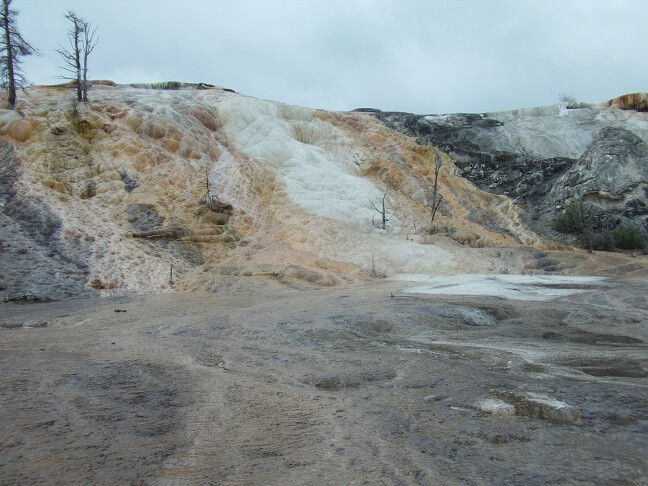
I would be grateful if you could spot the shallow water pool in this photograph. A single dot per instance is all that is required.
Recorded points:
(516, 287)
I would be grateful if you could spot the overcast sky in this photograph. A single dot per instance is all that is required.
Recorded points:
(422, 56)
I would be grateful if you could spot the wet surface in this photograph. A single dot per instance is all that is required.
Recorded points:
(335, 386)
(515, 287)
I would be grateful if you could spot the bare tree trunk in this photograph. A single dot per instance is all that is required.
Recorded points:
(86, 52)
(382, 212)
(435, 203)
(10, 61)
(77, 56)
(82, 42)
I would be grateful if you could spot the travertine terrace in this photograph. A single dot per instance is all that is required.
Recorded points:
(197, 290)
(110, 194)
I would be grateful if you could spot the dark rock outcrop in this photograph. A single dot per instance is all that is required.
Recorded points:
(144, 217)
(544, 157)
(478, 149)
(613, 167)
(9, 173)
(129, 183)
(37, 262)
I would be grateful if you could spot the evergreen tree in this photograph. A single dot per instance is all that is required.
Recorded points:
(12, 48)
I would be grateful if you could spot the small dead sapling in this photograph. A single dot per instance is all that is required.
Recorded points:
(436, 197)
(382, 210)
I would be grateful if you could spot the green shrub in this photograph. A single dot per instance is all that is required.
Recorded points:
(162, 85)
(628, 237)
(592, 240)
(166, 85)
(575, 218)
(592, 226)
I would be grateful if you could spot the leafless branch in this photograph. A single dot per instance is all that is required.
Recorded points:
(382, 212)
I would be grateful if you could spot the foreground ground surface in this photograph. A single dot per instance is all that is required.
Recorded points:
(355, 385)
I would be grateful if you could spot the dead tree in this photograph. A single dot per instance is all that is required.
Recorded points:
(82, 40)
(12, 48)
(436, 197)
(211, 200)
(382, 212)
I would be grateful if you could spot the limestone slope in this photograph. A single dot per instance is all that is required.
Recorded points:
(148, 190)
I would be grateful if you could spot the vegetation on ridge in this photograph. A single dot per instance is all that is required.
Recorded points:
(162, 85)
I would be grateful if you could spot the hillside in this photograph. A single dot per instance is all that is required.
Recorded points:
(547, 156)
(112, 196)
(235, 328)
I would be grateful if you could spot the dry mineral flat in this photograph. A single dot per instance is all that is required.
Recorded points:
(361, 384)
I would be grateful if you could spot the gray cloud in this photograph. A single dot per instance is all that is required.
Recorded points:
(420, 56)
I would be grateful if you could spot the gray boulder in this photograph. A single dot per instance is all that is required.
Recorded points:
(611, 175)
(536, 405)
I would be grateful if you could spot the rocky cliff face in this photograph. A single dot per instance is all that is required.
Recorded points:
(544, 157)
